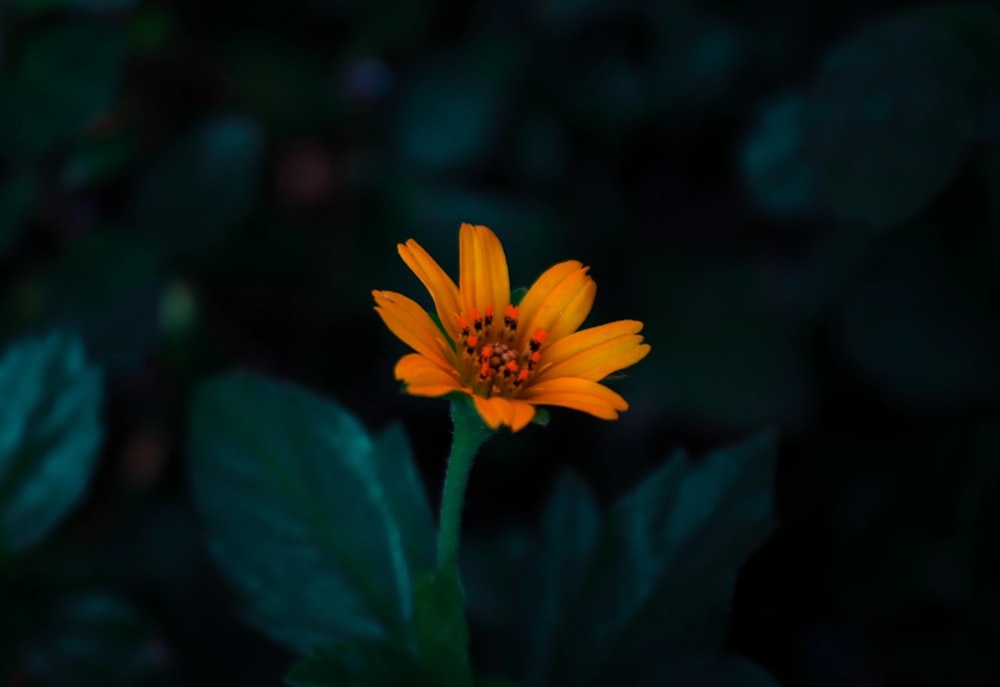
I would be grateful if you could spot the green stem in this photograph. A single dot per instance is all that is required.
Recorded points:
(470, 434)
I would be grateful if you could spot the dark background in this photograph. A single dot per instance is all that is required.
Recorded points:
(800, 200)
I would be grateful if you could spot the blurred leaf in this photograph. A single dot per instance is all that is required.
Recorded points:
(441, 632)
(94, 159)
(108, 287)
(569, 531)
(160, 543)
(203, 186)
(911, 323)
(606, 90)
(320, 528)
(29, 6)
(95, 639)
(776, 168)
(990, 170)
(498, 606)
(706, 669)
(18, 196)
(431, 207)
(149, 29)
(382, 28)
(543, 148)
(732, 349)
(886, 124)
(697, 58)
(666, 560)
(976, 26)
(358, 664)
(289, 89)
(570, 16)
(493, 681)
(448, 116)
(49, 435)
(891, 120)
(67, 76)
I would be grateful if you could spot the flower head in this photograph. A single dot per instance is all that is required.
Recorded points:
(508, 358)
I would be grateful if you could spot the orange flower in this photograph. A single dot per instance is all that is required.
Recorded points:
(508, 358)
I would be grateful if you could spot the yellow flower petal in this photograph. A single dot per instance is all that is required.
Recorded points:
(498, 410)
(482, 268)
(407, 320)
(594, 336)
(440, 286)
(595, 353)
(574, 312)
(521, 414)
(490, 410)
(578, 394)
(424, 377)
(558, 302)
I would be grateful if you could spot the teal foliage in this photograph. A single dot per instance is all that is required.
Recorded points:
(50, 432)
(17, 199)
(726, 322)
(448, 116)
(321, 528)
(642, 594)
(95, 638)
(665, 564)
(32, 6)
(887, 122)
(940, 356)
(710, 669)
(108, 288)
(64, 79)
(203, 186)
(800, 201)
(358, 664)
(568, 538)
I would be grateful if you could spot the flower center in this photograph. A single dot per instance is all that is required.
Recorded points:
(491, 363)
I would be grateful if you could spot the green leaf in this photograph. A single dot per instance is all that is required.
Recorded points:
(94, 639)
(358, 664)
(517, 295)
(320, 528)
(441, 632)
(203, 186)
(49, 435)
(67, 77)
(665, 563)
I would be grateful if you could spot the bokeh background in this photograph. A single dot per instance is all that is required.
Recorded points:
(801, 200)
